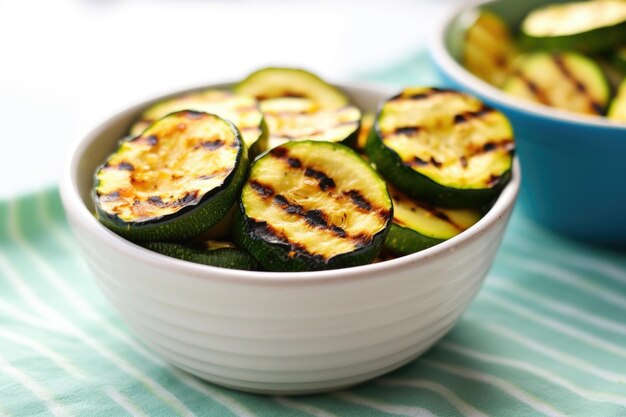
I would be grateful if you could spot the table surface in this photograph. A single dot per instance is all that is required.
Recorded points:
(71, 64)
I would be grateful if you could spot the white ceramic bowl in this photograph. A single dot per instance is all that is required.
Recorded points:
(271, 332)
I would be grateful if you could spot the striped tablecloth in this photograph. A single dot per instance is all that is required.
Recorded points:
(546, 335)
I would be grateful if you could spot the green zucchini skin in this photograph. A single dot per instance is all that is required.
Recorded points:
(196, 213)
(420, 186)
(417, 226)
(201, 253)
(273, 82)
(619, 59)
(591, 41)
(277, 247)
(404, 241)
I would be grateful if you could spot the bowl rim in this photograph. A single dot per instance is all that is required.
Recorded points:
(455, 70)
(78, 212)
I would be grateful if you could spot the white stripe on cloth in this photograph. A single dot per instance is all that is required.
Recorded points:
(557, 355)
(401, 410)
(38, 390)
(306, 408)
(230, 403)
(537, 371)
(124, 402)
(463, 407)
(40, 262)
(61, 361)
(565, 277)
(554, 324)
(580, 260)
(499, 383)
(559, 307)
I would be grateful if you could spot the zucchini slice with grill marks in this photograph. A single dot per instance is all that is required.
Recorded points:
(174, 181)
(617, 110)
(489, 51)
(269, 83)
(214, 253)
(443, 147)
(586, 26)
(567, 81)
(312, 206)
(243, 111)
(417, 225)
(294, 119)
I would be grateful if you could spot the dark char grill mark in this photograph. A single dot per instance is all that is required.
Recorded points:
(264, 191)
(314, 218)
(294, 162)
(125, 166)
(469, 115)
(156, 200)
(325, 182)
(580, 87)
(420, 96)
(408, 130)
(358, 199)
(213, 144)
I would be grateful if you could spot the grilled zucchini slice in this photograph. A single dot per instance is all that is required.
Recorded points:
(617, 111)
(174, 181)
(567, 81)
(214, 253)
(443, 147)
(291, 82)
(489, 51)
(586, 26)
(243, 111)
(294, 119)
(312, 206)
(417, 225)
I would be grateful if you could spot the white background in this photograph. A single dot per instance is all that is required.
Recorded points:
(65, 65)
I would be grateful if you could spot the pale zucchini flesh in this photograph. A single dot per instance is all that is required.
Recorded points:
(617, 110)
(313, 205)
(243, 111)
(295, 119)
(584, 26)
(151, 185)
(489, 50)
(567, 81)
(268, 83)
(574, 18)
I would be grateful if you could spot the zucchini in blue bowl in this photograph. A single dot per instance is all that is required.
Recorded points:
(311, 206)
(174, 181)
(444, 147)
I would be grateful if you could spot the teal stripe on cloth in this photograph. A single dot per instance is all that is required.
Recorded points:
(546, 335)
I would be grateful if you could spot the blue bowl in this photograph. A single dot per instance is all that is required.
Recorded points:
(574, 165)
